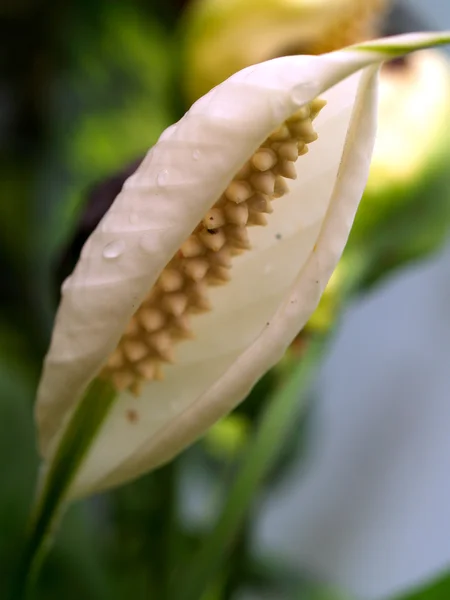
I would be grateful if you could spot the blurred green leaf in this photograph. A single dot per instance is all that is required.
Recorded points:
(411, 234)
(319, 591)
(436, 590)
(109, 103)
(70, 452)
(74, 570)
(17, 453)
(76, 567)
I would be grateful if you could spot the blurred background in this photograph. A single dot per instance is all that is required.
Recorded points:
(354, 502)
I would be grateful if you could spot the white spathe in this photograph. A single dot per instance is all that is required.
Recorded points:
(274, 288)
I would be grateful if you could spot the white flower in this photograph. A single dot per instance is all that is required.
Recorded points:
(215, 171)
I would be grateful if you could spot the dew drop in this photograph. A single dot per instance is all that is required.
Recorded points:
(162, 177)
(196, 154)
(113, 249)
(134, 218)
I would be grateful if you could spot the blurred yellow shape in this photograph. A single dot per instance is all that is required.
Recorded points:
(224, 36)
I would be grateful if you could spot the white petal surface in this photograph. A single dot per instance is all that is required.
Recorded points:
(178, 181)
(180, 178)
(274, 289)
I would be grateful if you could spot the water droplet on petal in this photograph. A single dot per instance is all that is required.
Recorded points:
(162, 177)
(113, 249)
(196, 154)
(134, 218)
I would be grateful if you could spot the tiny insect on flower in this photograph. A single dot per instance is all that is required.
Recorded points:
(213, 256)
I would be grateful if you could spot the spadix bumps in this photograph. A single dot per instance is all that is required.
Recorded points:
(205, 258)
(191, 268)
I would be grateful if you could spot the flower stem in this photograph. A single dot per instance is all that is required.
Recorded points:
(72, 449)
(277, 419)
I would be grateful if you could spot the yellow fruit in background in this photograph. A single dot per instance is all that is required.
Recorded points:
(224, 36)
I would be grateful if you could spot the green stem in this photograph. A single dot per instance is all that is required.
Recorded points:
(73, 447)
(277, 419)
(238, 566)
(162, 524)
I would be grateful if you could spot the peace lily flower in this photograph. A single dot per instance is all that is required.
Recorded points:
(208, 263)
(223, 36)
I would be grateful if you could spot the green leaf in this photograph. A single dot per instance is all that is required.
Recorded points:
(436, 590)
(73, 447)
(318, 591)
(17, 454)
(106, 109)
